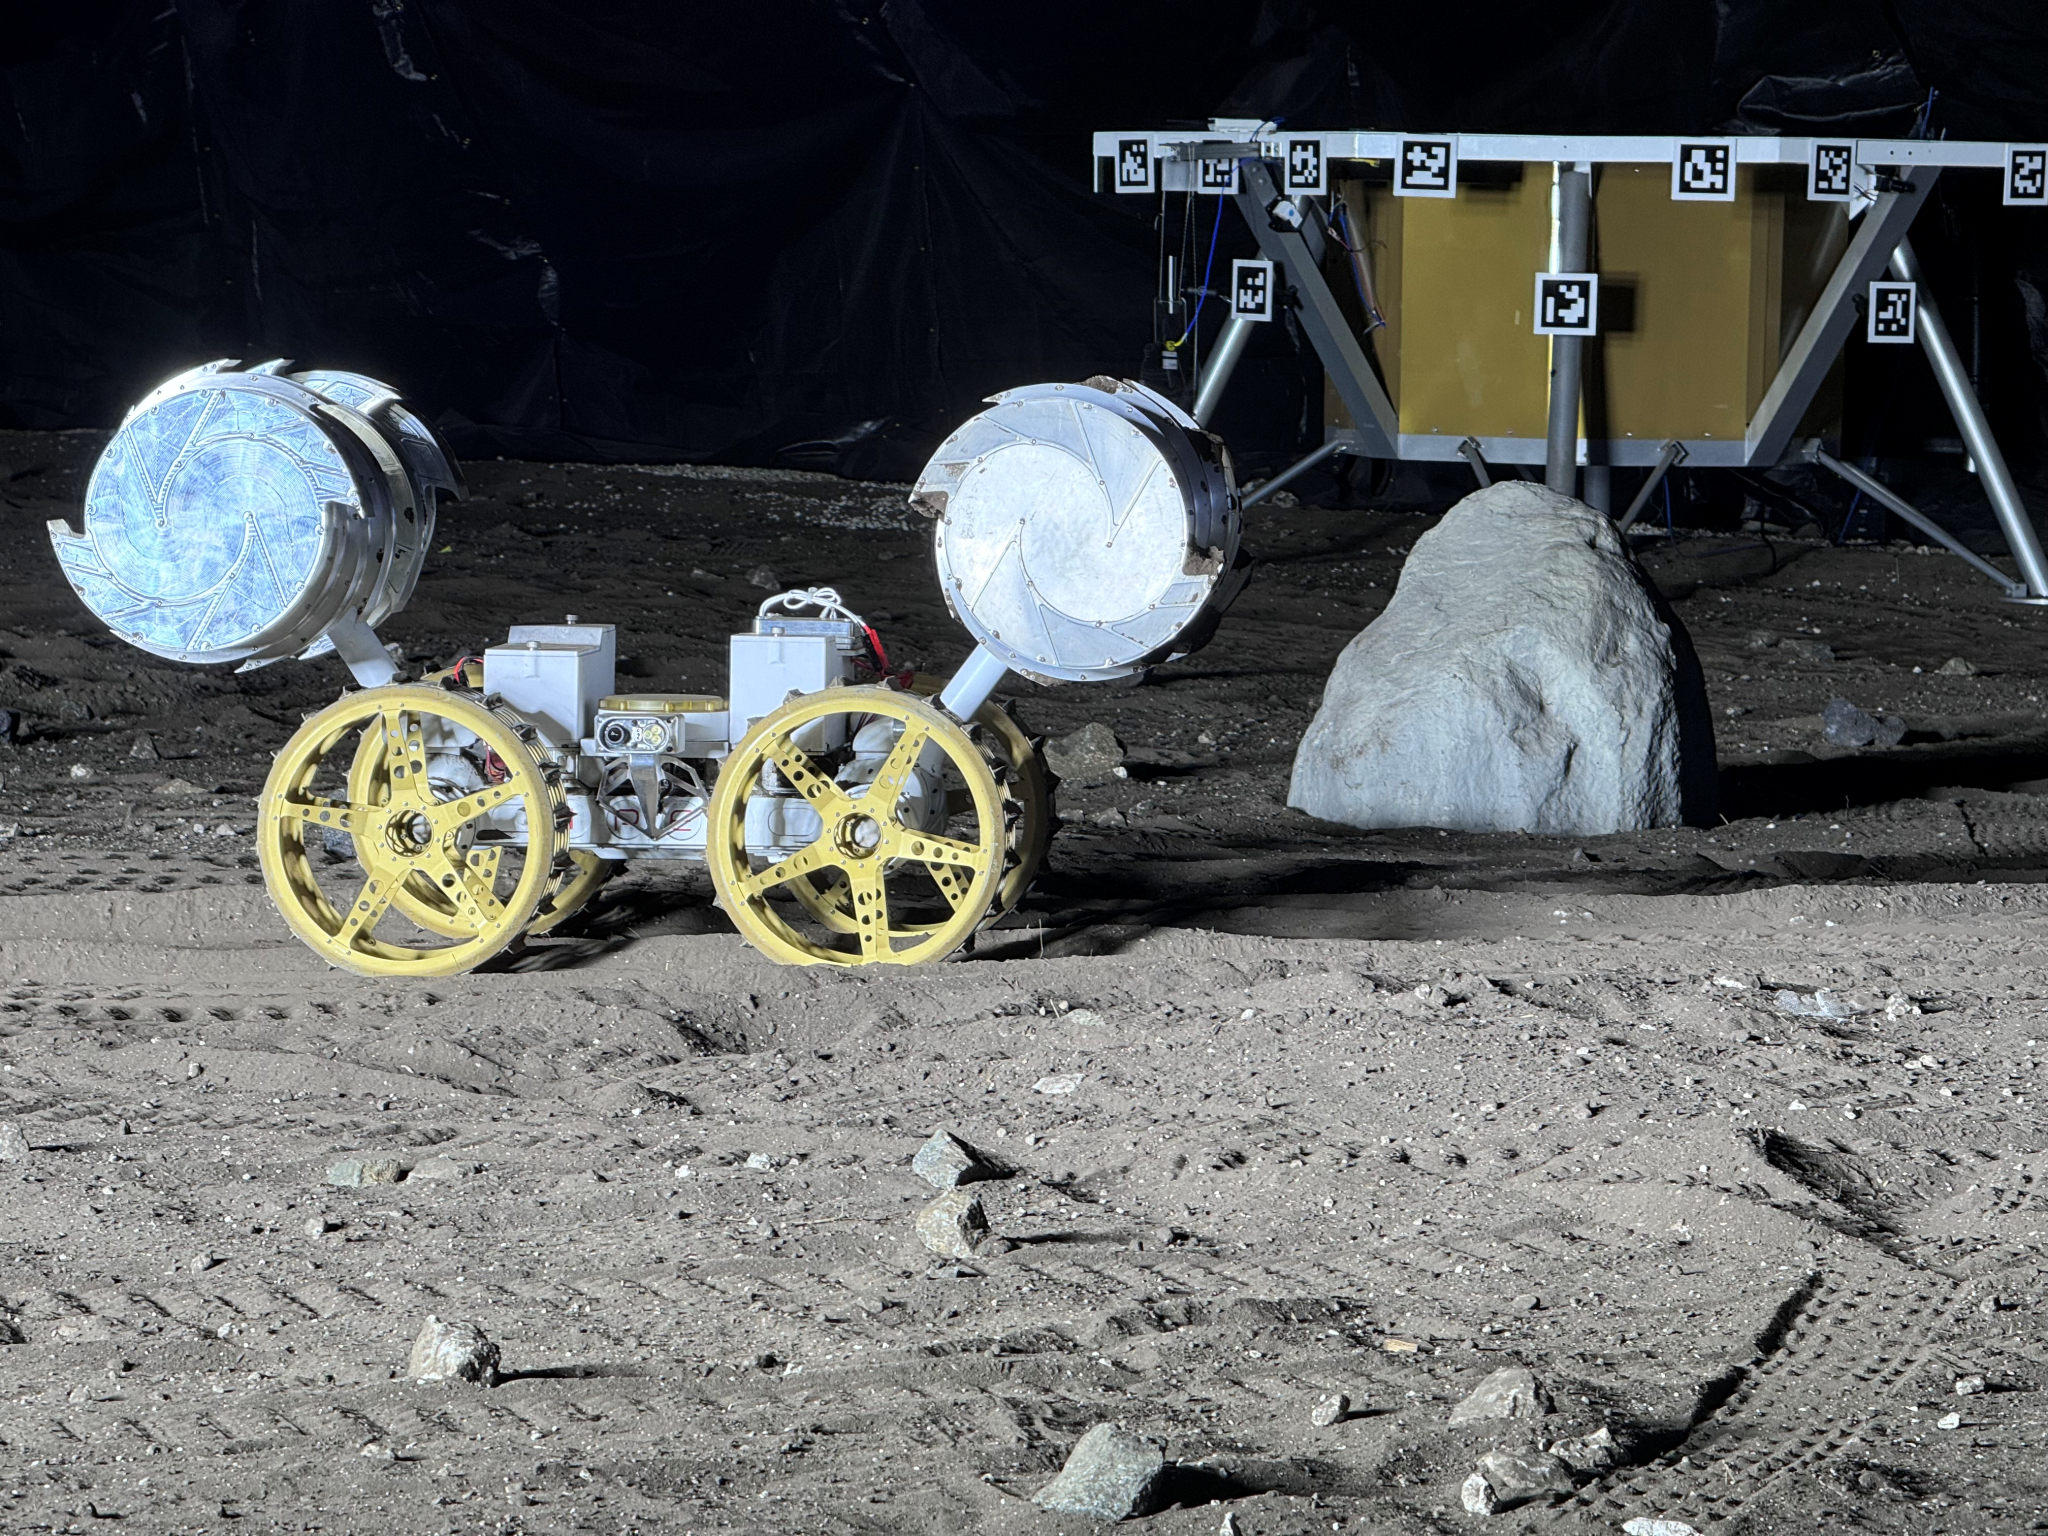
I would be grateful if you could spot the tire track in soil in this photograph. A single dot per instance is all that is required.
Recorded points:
(1849, 1341)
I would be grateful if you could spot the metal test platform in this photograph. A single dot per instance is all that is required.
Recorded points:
(1589, 301)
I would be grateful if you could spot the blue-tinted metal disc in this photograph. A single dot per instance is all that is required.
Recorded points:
(209, 521)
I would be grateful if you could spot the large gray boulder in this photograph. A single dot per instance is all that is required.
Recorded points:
(1525, 677)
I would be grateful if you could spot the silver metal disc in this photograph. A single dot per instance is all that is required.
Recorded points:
(1069, 523)
(211, 518)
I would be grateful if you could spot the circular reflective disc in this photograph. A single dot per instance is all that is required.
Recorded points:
(207, 520)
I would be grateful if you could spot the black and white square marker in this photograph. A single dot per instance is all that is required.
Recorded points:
(1426, 168)
(1251, 290)
(2026, 175)
(1303, 167)
(1217, 177)
(1703, 171)
(1828, 172)
(1567, 303)
(1137, 168)
(1894, 308)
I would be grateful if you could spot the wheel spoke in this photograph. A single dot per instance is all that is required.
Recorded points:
(886, 788)
(870, 908)
(321, 812)
(469, 889)
(369, 905)
(818, 855)
(826, 797)
(951, 886)
(933, 850)
(405, 772)
(449, 816)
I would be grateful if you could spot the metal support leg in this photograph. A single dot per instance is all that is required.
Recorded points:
(2011, 512)
(363, 653)
(1376, 427)
(1469, 449)
(1879, 492)
(1574, 245)
(1222, 363)
(973, 683)
(1674, 450)
(1599, 489)
(1292, 473)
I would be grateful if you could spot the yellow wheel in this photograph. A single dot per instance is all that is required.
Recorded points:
(570, 891)
(424, 902)
(461, 805)
(1020, 778)
(919, 845)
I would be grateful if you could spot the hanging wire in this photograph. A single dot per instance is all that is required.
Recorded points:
(1208, 267)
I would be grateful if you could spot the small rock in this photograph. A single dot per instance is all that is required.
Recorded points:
(1899, 1006)
(1399, 1346)
(1111, 1474)
(1650, 1525)
(356, 1172)
(1822, 1004)
(1970, 1386)
(376, 1452)
(1844, 725)
(1064, 1082)
(81, 770)
(439, 1167)
(145, 748)
(1989, 1306)
(1329, 1410)
(179, 787)
(193, 1069)
(1512, 1392)
(1528, 1301)
(760, 1162)
(1589, 1455)
(202, 1262)
(1956, 666)
(764, 577)
(1808, 650)
(319, 1226)
(10, 725)
(1506, 1479)
(1588, 1110)
(946, 1162)
(13, 1145)
(1091, 755)
(1109, 818)
(1949, 1421)
(453, 1352)
(1761, 639)
(953, 1224)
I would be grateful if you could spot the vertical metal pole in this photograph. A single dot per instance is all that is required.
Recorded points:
(1940, 348)
(1574, 247)
(1230, 344)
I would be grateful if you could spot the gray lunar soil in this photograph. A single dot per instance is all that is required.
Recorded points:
(1727, 1135)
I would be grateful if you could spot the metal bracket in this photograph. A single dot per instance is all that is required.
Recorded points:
(1329, 329)
(1813, 351)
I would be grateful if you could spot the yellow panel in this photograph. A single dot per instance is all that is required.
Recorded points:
(1698, 303)
(1471, 362)
(1701, 345)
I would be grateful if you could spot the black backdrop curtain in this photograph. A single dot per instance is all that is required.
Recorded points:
(808, 230)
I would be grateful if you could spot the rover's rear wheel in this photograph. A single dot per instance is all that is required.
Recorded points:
(486, 850)
(919, 848)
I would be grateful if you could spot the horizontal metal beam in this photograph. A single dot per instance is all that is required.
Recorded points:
(1600, 148)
